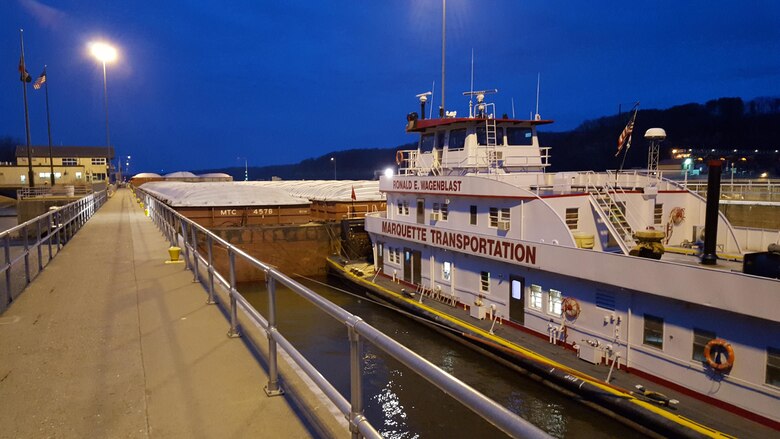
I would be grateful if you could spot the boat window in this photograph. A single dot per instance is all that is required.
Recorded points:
(457, 139)
(773, 366)
(498, 216)
(519, 136)
(572, 217)
(445, 210)
(484, 281)
(446, 270)
(535, 299)
(658, 214)
(426, 142)
(482, 136)
(653, 332)
(403, 207)
(605, 300)
(554, 302)
(439, 140)
(473, 216)
(700, 340)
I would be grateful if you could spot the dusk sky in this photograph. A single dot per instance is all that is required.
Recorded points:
(200, 83)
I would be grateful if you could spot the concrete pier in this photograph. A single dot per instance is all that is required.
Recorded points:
(109, 341)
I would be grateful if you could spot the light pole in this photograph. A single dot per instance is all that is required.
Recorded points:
(105, 53)
(333, 159)
(246, 167)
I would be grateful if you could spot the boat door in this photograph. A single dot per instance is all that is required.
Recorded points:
(407, 265)
(380, 255)
(412, 266)
(420, 210)
(517, 299)
(416, 267)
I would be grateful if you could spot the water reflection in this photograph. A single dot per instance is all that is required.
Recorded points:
(398, 402)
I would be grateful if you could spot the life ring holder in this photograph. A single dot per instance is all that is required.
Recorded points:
(571, 308)
(399, 158)
(709, 355)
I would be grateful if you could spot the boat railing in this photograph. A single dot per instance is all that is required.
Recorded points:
(200, 244)
(752, 239)
(23, 245)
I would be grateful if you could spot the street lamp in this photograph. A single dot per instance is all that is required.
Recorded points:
(246, 167)
(105, 53)
(333, 159)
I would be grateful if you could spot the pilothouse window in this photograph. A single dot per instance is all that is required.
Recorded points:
(426, 142)
(482, 136)
(519, 136)
(457, 139)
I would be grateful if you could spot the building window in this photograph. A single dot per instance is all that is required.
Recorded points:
(98, 160)
(446, 270)
(572, 218)
(658, 214)
(654, 331)
(700, 340)
(98, 176)
(484, 281)
(536, 297)
(78, 176)
(499, 217)
(773, 366)
(473, 216)
(70, 161)
(24, 178)
(554, 302)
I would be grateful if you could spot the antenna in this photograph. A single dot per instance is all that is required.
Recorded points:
(471, 114)
(442, 111)
(513, 108)
(538, 82)
(433, 88)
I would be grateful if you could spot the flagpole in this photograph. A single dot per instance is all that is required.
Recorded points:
(48, 125)
(24, 75)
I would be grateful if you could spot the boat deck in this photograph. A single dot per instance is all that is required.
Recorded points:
(109, 341)
(688, 407)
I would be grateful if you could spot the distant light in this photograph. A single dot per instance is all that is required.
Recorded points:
(103, 52)
(735, 150)
(743, 159)
(674, 151)
(332, 158)
(755, 151)
(389, 172)
(713, 150)
(763, 175)
(688, 162)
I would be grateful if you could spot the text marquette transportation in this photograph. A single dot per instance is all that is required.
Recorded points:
(598, 263)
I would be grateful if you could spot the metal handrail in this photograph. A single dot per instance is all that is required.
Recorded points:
(178, 228)
(53, 229)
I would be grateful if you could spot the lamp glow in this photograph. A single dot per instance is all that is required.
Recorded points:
(103, 52)
(389, 172)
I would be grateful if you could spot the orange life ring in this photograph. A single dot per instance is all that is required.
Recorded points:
(722, 346)
(571, 308)
(399, 157)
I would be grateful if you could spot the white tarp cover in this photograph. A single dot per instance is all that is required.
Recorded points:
(181, 174)
(221, 193)
(328, 190)
(147, 175)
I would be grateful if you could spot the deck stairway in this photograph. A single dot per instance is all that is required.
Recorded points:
(602, 197)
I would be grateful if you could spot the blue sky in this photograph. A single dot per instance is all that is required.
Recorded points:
(200, 83)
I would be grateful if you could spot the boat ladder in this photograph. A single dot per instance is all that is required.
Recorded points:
(615, 213)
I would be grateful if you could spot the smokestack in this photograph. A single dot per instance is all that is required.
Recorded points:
(422, 109)
(708, 256)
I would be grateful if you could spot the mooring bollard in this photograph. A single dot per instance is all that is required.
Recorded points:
(174, 252)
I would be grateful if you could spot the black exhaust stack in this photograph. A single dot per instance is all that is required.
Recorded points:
(709, 257)
(422, 109)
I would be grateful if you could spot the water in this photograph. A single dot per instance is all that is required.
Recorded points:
(399, 403)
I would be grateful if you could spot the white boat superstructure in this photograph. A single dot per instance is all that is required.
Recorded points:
(472, 214)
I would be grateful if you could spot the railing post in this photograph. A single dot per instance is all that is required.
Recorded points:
(8, 267)
(195, 273)
(26, 255)
(184, 235)
(272, 388)
(233, 331)
(58, 224)
(355, 376)
(38, 243)
(210, 245)
(49, 233)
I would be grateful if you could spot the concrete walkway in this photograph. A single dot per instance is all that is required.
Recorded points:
(109, 341)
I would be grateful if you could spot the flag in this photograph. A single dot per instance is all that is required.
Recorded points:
(41, 79)
(354, 197)
(625, 136)
(24, 76)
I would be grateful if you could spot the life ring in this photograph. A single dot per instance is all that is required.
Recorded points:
(676, 217)
(571, 308)
(719, 346)
(399, 157)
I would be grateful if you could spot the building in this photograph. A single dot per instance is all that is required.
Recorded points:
(73, 165)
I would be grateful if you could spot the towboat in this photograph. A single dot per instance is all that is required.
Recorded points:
(608, 284)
